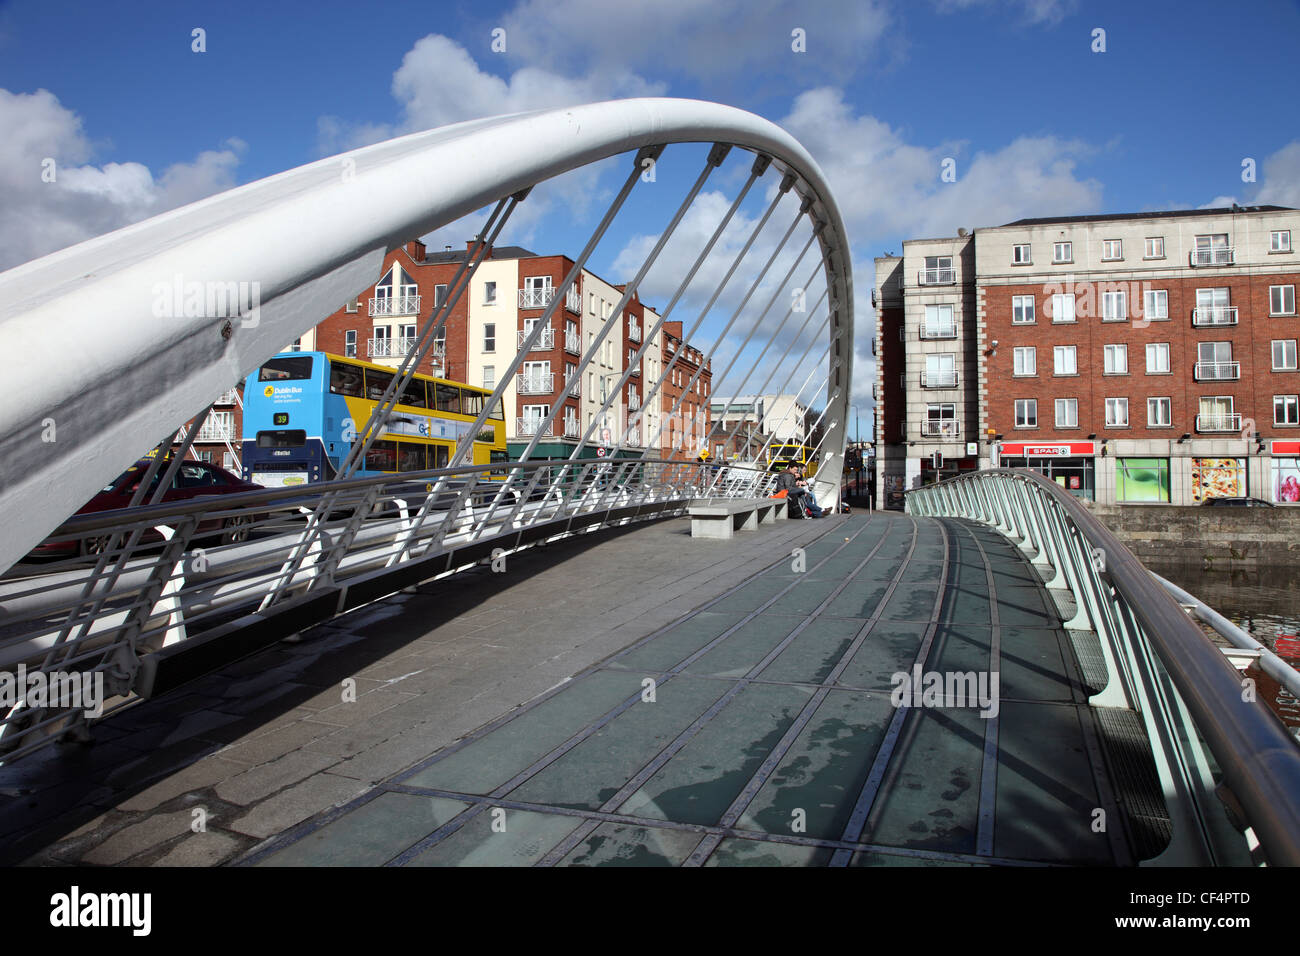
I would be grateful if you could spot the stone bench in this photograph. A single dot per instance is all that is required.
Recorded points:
(723, 517)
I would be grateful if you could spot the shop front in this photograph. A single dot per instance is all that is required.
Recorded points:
(1285, 479)
(1072, 465)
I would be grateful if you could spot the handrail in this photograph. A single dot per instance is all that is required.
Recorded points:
(1259, 758)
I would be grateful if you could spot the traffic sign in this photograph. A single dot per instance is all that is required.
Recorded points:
(600, 452)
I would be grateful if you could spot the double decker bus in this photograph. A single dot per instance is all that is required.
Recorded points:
(780, 457)
(304, 410)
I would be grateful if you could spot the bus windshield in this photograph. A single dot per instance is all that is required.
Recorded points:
(285, 369)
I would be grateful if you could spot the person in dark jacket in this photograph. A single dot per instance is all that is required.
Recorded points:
(797, 491)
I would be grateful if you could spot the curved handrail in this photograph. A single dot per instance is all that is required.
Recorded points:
(1259, 758)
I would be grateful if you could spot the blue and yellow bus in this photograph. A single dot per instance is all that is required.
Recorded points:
(304, 410)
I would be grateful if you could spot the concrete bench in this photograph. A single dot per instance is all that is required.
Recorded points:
(723, 517)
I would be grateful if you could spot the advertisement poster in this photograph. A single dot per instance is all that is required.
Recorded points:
(1218, 478)
(1142, 479)
(1286, 479)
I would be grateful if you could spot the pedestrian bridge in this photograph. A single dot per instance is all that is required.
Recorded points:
(991, 678)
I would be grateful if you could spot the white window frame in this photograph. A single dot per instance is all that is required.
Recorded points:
(350, 343)
(1022, 254)
(489, 376)
(1115, 367)
(1288, 363)
(489, 293)
(1154, 247)
(1065, 357)
(1290, 405)
(352, 305)
(1071, 407)
(1117, 413)
(1024, 304)
(1030, 412)
(1059, 305)
(1024, 361)
(1158, 349)
(1156, 404)
(1159, 298)
(1114, 306)
(489, 336)
(1062, 252)
(1281, 295)
(1112, 250)
(439, 295)
(1279, 240)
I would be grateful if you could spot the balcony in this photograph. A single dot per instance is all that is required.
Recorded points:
(545, 342)
(573, 342)
(391, 347)
(634, 332)
(570, 428)
(575, 389)
(395, 305)
(1219, 422)
(1211, 257)
(229, 397)
(221, 429)
(633, 402)
(540, 298)
(929, 333)
(1218, 371)
(535, 383)
(1215, 315)
(528, 427)
(938, 379)
(632, 438)
(937, 277)
(940, 429)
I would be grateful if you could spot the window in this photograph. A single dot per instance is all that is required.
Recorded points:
(938, 269)
(1155, 304)
(1214, 361)
(489, 293)
(1114, 306)
(1155, 247)
(350, 343)
(439, 296)
(1159, 412)
(1026, 360)
(1063, 252)
(1158, 358)
(1065, 360)
(938, 323)
(1279, 240)
(1142, 479)
(1020, 255)
(297, 345)
(940, 371)
(352, 305)
(1117, 413)
(1216, 414)
(489, 376)
(1063, 308)
(1116, 357)
(1281, 300)
(1286, 410)
(1026, 413)
(1022, 309)
(1112, 249)
(1212, 251)
(592, 303)
(1284, 355)
(489, 336)
(1067, 413)
(940, 421)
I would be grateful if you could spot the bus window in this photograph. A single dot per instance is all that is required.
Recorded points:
(410, 456)
(376, 382)
(382, 456)
(496, 412)
(285, 369)
(471, 403)
(346, 380)
(282, 439)
(440, 456)
(448, 397)
(498, 456)
(414, 395)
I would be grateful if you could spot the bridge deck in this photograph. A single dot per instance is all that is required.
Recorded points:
(767, 735)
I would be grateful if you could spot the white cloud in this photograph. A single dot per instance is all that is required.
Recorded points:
(1031, 12)
(82, 201)
(1280, 182)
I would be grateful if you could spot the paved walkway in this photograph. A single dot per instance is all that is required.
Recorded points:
(716, 715)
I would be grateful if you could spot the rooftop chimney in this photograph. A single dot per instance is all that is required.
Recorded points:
(415, 249)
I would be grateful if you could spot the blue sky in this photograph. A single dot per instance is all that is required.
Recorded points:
(1038, 123)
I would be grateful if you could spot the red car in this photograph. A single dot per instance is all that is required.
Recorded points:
(193, 479)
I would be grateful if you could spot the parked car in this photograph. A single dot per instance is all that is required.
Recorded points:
(1238, 502)
(193, 479)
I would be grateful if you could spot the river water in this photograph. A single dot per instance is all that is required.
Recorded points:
(1265, 604)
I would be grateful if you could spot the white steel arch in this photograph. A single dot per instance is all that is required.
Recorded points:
(129, 360)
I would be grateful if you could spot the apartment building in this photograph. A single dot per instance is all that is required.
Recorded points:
(749, 423)
(684, 397)
(1132, 358)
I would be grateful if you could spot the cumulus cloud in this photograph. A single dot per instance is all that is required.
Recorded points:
(1279, 182)
(55, 198)
(1032, 12)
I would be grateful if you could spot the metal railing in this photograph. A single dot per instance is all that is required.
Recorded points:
(158, 582)
(390, 347)
(1215, 315)
(937, 429)
(528, 427)
(535, 383)
(1212, 744)
(633, 332)
(536, 298)
(1217, 371)
(395, 305)
(573, 342)
(941, 379)
(545, 342)
(940, 331)
(936, 277)
(1221, 256)
(1222, 422)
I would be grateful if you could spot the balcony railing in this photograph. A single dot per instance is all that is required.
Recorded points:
(633, 402)
(528, 427)
(535, 383)
(937, 277)
(938, 331)
(573, 342)
(392, 347)
(575, 388)
(1219, 422)
(545, 342)
(1212, 257)
(931, 379)
(229, 397)
(1215, 315)
(395, 305)
(540, 298)
(219, 430)
(570, 428)
(634, 332)
(1218, 371)
(632, 438)
(940, 429)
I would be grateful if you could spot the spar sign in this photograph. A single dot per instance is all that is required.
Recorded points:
(1073, 449)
